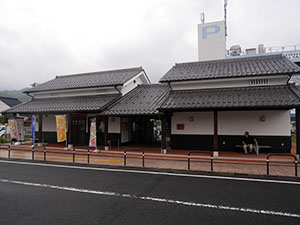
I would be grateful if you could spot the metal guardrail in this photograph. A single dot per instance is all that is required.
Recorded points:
(201, 152)
(8, 150)
(135, 149)
(282, 154)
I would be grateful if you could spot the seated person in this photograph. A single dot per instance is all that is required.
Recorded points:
(248, 142)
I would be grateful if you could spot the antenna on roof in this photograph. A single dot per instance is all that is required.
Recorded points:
(202, 17)
(225, 16)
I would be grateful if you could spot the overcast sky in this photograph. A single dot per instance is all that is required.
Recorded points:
(40, 39)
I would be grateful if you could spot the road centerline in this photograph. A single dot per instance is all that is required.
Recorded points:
(154, 199)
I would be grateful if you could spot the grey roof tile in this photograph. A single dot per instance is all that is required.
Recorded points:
(88, 80)
(10, 101)
(232, 67)
(70, 104)
(249, 97)
(143, 100)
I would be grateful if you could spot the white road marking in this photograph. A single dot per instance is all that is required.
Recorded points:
(147, 198)
(154, 173)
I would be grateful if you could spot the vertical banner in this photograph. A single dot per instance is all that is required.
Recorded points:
(13, 131)
(93, 133)
(61, 128)
(33, 128)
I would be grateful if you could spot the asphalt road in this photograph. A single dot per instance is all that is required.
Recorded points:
(37, 193)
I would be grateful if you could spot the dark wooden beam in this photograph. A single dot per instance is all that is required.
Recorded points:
(164, 133)
(215, 130)
(70, 128)
(137, 130)
(105, 131)
(40, 128)
(298, 131)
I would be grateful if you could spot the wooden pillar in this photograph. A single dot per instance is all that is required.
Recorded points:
(105, 138)
(40, 128)
(164, 133)
(137, 129)
(298, 131)
(215, 130)
(70, 141)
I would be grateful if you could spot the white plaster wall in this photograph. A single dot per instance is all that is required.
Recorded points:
(49, 123)
(135, 81)
(225, 83)
(76, 92)
(114, 126)
(3, 107)
(203, 123)
(237, 122)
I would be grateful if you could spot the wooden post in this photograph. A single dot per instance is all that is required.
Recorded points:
(298, 131)
(69, 128)
(164, 133)
(105, 131)
(137, 126)
(40, 128)
(215, 130)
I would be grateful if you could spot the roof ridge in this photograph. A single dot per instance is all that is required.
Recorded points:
(233, 59)
(99, 72)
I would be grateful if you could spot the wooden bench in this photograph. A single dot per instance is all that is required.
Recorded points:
(260, 147)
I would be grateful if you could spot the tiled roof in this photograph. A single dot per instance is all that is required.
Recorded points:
(70, 104)
(143, 100)
(88, 80)
(249, 97)
(10, 101)
(231, 68)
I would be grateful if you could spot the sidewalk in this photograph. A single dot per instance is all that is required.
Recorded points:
(226, 162)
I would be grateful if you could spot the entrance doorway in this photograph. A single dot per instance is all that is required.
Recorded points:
(141, 131)
(78, 131)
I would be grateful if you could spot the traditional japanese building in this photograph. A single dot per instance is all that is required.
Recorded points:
(212, 103)
(134, 119)
(80, 97)
(204, 105)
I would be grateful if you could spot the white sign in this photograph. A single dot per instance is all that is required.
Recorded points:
(211, 41)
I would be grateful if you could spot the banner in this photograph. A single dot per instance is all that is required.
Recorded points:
(33, 129)
(13, 131)
(61, 128)
(93, 133)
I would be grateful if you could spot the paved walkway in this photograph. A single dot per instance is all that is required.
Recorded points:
(226, 162)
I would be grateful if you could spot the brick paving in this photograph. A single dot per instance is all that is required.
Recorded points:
(226, 162)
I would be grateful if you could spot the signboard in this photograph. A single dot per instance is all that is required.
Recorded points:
(33, 128)
(20, 129)
(211, 41)
(61, 128)
(93, 133)
(180, 126)
(13, 131)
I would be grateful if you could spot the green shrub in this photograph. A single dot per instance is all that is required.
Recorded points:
(293, 138)
(3, 140)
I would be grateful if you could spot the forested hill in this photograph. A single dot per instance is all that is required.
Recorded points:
(15, 94)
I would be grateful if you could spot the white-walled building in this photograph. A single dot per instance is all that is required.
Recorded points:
(80, 97)
(212, 103)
